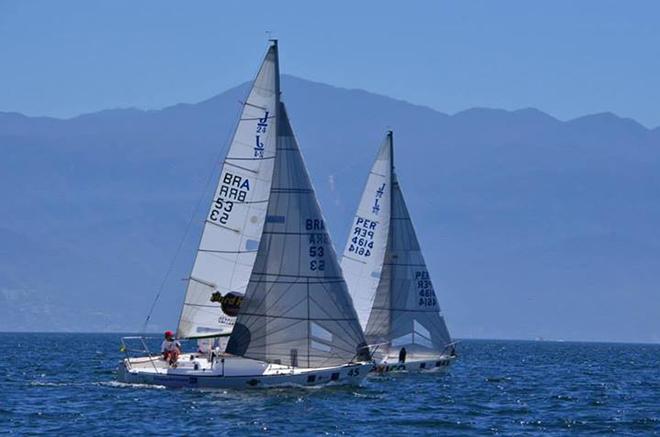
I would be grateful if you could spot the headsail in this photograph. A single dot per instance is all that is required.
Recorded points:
(297, 310)
(233, 226)
(363, 257)
(404, 311)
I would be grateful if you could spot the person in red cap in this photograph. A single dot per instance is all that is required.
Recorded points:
(170, 348)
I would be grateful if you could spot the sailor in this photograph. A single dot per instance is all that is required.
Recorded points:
(402, 355)
(170, 348)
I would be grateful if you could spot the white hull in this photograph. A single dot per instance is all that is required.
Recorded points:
(235, 372)
(428, 365)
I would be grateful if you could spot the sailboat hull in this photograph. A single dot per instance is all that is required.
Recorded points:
(235, 372)
(438, 364)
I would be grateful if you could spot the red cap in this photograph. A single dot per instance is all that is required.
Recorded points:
(169, 334)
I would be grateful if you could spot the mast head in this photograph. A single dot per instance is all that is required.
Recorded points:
(390, 137)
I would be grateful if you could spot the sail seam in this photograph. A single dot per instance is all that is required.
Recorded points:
(339, 278)
(275, 281)
(239, 167)
(355, 259)
(405, 310)
(226, 251)
(248, 159)
(298, 318)
(252, 104)
(291, 233)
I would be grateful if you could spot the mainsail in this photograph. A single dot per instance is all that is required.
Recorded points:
(404, 309)
(233, 226)
(296, 310)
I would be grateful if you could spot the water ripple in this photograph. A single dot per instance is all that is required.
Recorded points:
(61, 383)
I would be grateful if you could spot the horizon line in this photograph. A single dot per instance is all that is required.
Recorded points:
(360, 90)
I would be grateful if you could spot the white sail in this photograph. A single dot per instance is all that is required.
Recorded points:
(236, 217)
(363, 256)
(297, 310)
(404, 310)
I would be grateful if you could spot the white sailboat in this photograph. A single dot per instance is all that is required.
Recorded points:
(388, 278)
(266, 273)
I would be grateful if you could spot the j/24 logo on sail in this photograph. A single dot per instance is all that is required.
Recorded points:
(234, 188)
(379, 194)
(262, 125)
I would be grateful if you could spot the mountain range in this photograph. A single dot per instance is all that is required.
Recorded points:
(531, 226)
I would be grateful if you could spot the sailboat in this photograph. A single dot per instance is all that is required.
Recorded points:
(388, 278)
(266, 275)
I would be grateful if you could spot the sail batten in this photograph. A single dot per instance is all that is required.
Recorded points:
(235, 220)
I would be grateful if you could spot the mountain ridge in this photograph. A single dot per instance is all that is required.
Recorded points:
(244, 85)
(531, 226)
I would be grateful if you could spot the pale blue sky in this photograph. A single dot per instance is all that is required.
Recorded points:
(566, 57)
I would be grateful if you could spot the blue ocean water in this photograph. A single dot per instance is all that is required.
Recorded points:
(65, 383)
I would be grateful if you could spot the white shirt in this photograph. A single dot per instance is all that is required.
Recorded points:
(169, 345)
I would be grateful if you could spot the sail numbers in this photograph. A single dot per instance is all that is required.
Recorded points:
(362, 241)
(317, 243)
(233, 188)
(425, 289)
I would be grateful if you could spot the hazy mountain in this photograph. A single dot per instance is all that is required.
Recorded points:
(531, 226)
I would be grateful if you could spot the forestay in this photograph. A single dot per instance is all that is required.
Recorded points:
(233, 226)
(362, 261)
(297, 310)
(404, 311)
